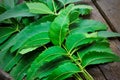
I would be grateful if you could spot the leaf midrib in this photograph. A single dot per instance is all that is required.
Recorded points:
(97, 59)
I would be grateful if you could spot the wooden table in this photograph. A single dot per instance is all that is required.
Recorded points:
(107, 11)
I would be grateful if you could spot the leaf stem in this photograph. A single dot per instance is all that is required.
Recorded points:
(85, 73)
(55, 11)
(77, 77)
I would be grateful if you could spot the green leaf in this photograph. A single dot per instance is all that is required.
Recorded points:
(64, 71)
(39, 8)
(64, 2)
(73, 41)
(12, 62)
(29, 32)
(5, 57)
(83, 9)
(20, 10)
(108, 34)
(84, 26)
(34, 42)
(100, 46)
(47, 69)
(9, 4)
(5, 32)
(25, 34)
(59, 27)
(79, 39)
(46, 56)
(20, 70)
(50, 4)
(98, 58)
(74, 16)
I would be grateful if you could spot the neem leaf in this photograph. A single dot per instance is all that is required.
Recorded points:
(83, 9)
(34, 42)
(108, 34)
(9, 4)
(20, 70)
(46, 56)
(64, 71)
(25, 34)
(84, 26)
(74, 16)
(59, 27)
(98, 58)
(50, 4)
(29, 32)
(47, 69)
(64, 2)
(73, 41)
(5, 57)
(100, 46)
(5, 32)
(39, 8)
(79, 39)
(20, 10)
(12, 62)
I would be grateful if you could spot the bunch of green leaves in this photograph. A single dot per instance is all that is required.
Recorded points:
(48, 40)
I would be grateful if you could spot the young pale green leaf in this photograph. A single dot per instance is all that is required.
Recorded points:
(20, 70)
(64, 71)
(101, 46)
(20, 10)
(108, 34)
(98, 58)
(34, 42)
(64, 2)
(73, 41)
(39, 8)
(5, 32)
(12, 62)
(46, 56)
(84, 26)
(59, 27)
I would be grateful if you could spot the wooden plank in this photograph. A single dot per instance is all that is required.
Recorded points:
(96, 73)
(110, 9)
(111, 70)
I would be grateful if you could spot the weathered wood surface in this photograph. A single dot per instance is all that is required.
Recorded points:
(110, 71)
(110, 9)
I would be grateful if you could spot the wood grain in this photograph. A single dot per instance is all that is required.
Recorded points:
(110, 9)
(111, 70)
(110, 13)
